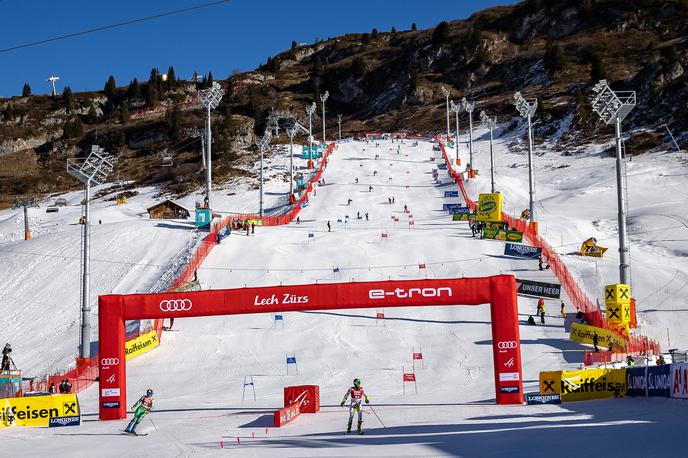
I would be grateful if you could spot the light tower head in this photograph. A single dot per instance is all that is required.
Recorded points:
(445, 91)
(610, 105)
(468, 106)
(455, 107)
(325, 96)
(264, 141)
(310, 109)
(489, 122)
(210, 98)
(524, 107)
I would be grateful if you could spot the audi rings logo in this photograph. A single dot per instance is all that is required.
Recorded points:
(109, 361)
(507, 345)
(176, 305)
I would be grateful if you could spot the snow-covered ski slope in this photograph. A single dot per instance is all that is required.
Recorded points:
(576, 199)
(198, 371)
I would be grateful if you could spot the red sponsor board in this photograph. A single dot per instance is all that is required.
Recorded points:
(380, 316)
(287, 414)
(409, 377)
(307, 396)
(417, 355)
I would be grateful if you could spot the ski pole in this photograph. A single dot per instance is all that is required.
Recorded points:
(151, 420)
(378, 417)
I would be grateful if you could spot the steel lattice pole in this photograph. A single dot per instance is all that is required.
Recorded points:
(531, 176)
(85, 350)
(492, 161)
(620, 192)
(209, 167)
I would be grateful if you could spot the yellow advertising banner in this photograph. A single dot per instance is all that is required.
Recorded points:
(584, 384)
(583, 333)
(256, 222)
(618, 293)
(141, 344)
(489, 207)
(51, 411)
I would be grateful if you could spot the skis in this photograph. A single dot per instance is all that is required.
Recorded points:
(134, 433)
(357, 432)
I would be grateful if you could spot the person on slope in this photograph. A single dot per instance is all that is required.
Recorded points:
(141, 408)
(357, 396)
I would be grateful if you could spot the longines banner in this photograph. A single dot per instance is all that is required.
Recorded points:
(522, 251)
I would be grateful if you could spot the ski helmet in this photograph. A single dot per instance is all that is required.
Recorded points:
(357, 382)
(149, 392)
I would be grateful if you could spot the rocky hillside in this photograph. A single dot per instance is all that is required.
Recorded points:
(550, 49)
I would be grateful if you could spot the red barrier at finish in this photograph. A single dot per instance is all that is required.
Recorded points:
(307, 396)
(287, 414)
(499, 291)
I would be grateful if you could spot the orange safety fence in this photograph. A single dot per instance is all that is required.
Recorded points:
(579, 299)
(83, 376)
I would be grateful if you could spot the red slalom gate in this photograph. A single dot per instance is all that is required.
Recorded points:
(498, 291)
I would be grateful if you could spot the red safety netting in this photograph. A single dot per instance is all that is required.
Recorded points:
(83, 376)
(578, 297)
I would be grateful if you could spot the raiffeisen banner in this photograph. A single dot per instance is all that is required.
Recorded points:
(51, 411)
(142, 344)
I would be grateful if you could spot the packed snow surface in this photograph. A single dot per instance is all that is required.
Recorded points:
(199, 370)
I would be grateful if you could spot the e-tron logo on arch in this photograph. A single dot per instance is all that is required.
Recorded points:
(109, 362)
(176, 305)
(402, 293)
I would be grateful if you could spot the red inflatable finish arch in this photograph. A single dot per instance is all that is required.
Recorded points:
(499, 291)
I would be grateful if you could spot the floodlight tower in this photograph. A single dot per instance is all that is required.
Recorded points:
(613, 107)
(52, 79)
(91, 171)
(210, 99)
(262, 144)
(339, 121)
(527, 109)
(310, 109)
(456, 108)
(446, 96)
(491, 123)
(323, 99)
(469, 107)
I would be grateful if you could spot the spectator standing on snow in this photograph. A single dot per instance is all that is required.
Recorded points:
(366, 216)
(51, 390)
(253, 228)
(595, 340)
(563, 310)
(540, 306)
(329, 227)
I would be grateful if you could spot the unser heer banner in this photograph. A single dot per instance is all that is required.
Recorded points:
(51, 411)
(584, 334)
(585, 384)
(679, 380)
(538, 288)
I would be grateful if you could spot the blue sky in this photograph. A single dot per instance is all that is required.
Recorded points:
(240, 34)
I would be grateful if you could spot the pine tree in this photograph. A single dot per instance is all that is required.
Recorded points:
(374, 34)
(9, 113)
(597, 69)
(414, 27)
(173, 122)
(124, 113)
(134, 89)
(554, 59)
(441, 33)
(293, 44)
(68, 98)
(394, 30)
(171, 78)
(358, 68)
(26, 91)
(110, 87)
(154, 79)
(210, 79)
(92, 115)
(152, 94)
